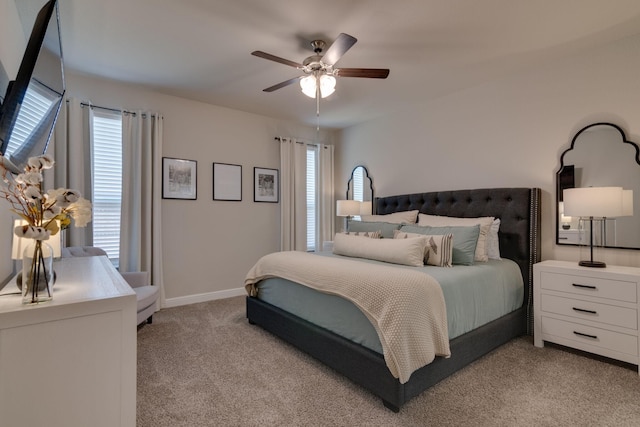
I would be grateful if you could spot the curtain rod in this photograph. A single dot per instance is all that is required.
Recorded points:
(115, 110)
(277, 138)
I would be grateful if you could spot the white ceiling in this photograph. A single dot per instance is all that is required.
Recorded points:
(201, 49)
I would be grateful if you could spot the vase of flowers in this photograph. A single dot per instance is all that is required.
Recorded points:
(37, 272)
(45, 213)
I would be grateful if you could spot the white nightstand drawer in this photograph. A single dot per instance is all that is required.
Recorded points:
(596, 337)
(595, 312)
(592, 286)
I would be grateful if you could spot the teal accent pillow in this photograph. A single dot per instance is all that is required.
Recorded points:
(465, 239)
(386, 228)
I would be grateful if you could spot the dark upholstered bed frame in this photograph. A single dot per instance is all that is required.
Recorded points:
(519, 213)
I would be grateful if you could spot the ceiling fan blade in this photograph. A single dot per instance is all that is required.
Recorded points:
(270, 57)
(339, 47)
(281, 85)
(372, 73)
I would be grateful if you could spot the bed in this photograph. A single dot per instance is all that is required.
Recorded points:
(519, 212)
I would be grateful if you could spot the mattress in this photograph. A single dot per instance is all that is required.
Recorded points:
(474, 295)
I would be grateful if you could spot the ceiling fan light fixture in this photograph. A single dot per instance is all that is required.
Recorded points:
(308, 86)
(327, 85)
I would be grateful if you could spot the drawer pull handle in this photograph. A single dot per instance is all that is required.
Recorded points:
(595, 337)
(584, 310)
(577, 285)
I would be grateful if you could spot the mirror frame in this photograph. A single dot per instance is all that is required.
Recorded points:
(366, 173)
(562, 165)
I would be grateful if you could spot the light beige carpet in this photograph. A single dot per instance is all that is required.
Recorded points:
(204, 365)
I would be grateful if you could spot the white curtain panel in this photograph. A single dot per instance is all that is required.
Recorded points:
(141, 219)
(293, 172)
(325, 227)
(72, 152)
(293, 183)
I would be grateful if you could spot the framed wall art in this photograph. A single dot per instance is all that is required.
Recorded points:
(179, 179)
(227, 182)
(265, 185)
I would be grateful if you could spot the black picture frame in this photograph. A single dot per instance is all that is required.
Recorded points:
(227, 182)
(179, 179)
(266, 185)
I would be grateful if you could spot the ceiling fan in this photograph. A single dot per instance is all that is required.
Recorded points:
(319, 70)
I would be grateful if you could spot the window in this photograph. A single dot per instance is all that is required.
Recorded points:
(312, 162)
(358, 184)
(107, 182)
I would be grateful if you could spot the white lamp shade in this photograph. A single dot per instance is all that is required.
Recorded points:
(327, 85)
(627, 202)
(308, 86)
(600, 202)
(19, 244)
(365, 208)
(347, 208)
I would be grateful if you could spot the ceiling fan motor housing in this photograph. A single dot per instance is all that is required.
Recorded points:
(322, 64)
(318, 46)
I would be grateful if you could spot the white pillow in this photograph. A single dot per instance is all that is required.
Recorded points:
(406, 217)
(439, 248)
(370, 234)
(484, 222)
(493, 244)
(396, 251)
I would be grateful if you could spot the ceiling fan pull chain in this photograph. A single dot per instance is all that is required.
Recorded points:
(318, 113)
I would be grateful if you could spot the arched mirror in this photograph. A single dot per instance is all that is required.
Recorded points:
(600, 156)
(360, 185)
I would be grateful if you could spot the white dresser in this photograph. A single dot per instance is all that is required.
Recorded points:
(591, 309)
(70, 361)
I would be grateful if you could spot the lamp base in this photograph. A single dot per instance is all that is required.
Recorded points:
(596, 264)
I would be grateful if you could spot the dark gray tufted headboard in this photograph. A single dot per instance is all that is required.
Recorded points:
(517, 208)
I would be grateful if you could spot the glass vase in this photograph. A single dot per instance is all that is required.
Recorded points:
(37, 272)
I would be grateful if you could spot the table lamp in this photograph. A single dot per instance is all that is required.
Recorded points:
(347, 208)
(366, 208)
(595, 203)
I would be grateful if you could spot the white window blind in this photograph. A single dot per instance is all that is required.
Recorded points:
(35, 104)
(312, 161)
(358, 184)
(107, 181)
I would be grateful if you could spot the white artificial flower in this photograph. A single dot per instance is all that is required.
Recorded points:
(29, 178)
(41, 162)
(68, 196)
(31, 232)
(32, 193)
(51, 212)
(54, 193)
(81, 212)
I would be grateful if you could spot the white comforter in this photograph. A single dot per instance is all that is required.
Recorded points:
(406, 307)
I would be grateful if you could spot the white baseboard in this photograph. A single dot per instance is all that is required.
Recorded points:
(209, 296)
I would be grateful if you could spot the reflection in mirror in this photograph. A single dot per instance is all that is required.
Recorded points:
(360, 185)
(33, 100)
(600, 156)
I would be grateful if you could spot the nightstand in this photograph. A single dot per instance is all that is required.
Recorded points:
(590, 309)
(570, 236)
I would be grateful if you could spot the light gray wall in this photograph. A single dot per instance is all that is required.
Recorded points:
(506, 133)
(208, 246)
